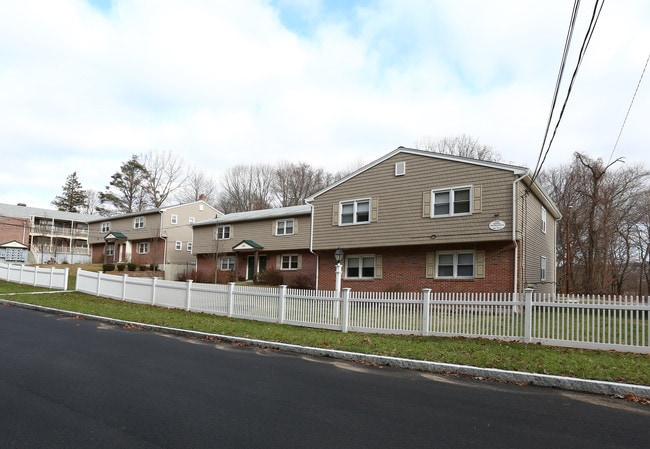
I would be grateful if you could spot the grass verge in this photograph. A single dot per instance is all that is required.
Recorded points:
(586, 364)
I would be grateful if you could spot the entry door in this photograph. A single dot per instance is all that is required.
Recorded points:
(250, 266)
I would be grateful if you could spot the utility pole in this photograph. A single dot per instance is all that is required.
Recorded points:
(568, 252)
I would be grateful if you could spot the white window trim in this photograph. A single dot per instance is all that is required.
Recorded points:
(106, 226)
(542, 268)
(178, 245)
(285, 221)
(138, 222)
(224, 227)
(189, 246)
(451, 191)
(291, 258)
(146, 246)
(110, 250)
(228, 261)
(191, 220)
(174, 219)
(455, 264)
(360, 257)
(354, 212)
(543, 220)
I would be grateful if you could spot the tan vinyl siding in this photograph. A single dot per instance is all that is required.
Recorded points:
(537, 244)
(404, 205)
(260, 231)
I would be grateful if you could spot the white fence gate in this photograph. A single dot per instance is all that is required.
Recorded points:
(610, 323)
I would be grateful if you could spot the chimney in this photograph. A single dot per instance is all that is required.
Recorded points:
(202, 197)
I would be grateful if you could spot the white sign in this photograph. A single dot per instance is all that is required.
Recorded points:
(497, 225)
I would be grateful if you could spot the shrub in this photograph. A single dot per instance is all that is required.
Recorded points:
(270, 276)
(121, 267)
(153, 267)
(143, 268)
(108, 267)
(131, 266)
(302, 281)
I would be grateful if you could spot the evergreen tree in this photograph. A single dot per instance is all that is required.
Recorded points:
(73, 198)
(127, 191)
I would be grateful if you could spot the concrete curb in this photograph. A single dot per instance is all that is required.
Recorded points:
(543, 380)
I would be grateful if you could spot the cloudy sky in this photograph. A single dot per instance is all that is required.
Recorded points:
(85, 84)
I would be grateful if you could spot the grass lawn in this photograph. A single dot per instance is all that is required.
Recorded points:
(587, 364)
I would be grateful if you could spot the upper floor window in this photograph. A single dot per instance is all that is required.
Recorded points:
(143, 247)
(106, 226)
(138, 223)
(178, 245)
(355, 212)
(449, 202)
(189, 246)
(174, 219)
(191, 220)
(543, 219)
(457, 264)
(284, 227)
(542, 268)
(360, 267)
(223, 232)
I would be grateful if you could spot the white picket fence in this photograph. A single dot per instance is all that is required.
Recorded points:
(54, 278)
(609, 323)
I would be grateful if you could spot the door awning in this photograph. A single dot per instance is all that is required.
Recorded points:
(247, 245)
(112, 236)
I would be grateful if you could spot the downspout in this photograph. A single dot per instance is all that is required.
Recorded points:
(514, 230)
(311, 244)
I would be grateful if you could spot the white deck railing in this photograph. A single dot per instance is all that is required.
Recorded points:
(619, 323)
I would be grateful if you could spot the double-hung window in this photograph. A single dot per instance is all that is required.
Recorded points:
(543, 219)
(289, 262)
(227, 263)
(178, 245)
(355, 212)
(138, 223)
(174, 219)
(542, 268)
(143, 247)
(110, 249)
(223, 232)
(284, 227)
(450, 202)
(360, 267)
(457, 264)
(106, 226)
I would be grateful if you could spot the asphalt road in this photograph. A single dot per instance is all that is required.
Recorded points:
(74, 383)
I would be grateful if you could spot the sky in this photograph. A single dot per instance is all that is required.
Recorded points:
(86, 84)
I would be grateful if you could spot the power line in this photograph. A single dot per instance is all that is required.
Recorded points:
(628, 109)
(585, 43)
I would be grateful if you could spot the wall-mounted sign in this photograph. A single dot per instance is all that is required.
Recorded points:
(497, 225)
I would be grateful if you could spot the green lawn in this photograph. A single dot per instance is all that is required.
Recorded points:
(597, 365)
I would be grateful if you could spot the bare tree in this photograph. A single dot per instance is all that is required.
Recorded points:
(599, 203)
(197, 184)
(246, 188)
(91, 203)
(462, 145)
(165, 175)
(296, 181)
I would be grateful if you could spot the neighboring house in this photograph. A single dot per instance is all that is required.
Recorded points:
(241, 245)
(50, 235)
(161, 237)
(416, 219)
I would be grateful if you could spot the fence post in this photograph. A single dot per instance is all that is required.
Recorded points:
(124, 276)
(345, 306)
(99, 281)
(154, 280)
(282, 305)
(426, 309)
(231, 298)
(528, 315)
(188, 295)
